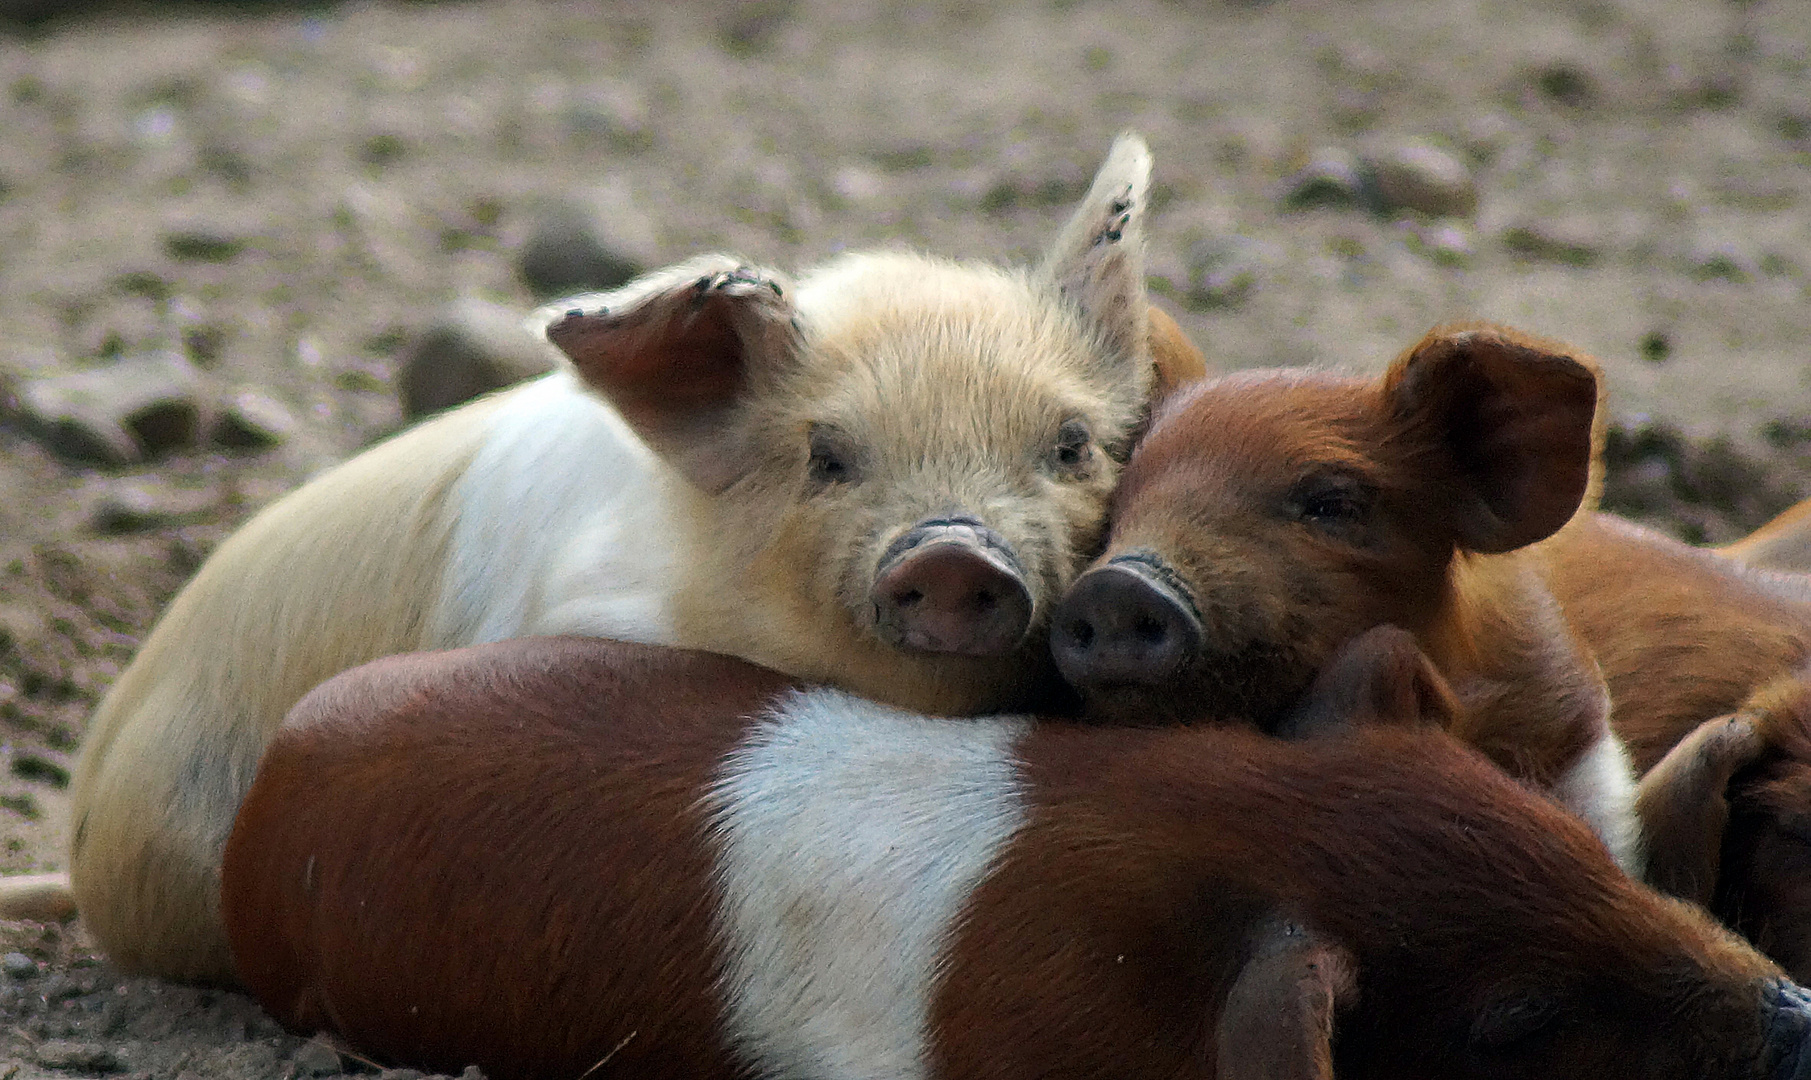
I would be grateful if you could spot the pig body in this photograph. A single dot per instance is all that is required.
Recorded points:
(881, 476)
(1269, 516)
(569, 851)
(1709, 664)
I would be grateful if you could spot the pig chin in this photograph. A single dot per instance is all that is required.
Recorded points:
(1253, 684)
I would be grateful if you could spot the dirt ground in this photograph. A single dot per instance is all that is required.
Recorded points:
(291, 193)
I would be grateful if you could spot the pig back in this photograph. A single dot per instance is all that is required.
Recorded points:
(395, 767)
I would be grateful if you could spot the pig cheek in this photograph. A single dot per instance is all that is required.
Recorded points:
(824, 543)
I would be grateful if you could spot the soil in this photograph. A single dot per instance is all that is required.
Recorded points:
(289, 193)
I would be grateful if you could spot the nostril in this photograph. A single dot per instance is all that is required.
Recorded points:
(1150, 630)
(908, 598)
(1080, 632)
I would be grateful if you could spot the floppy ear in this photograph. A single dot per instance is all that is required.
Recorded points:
(1683, 805)
(1379, 677)
(675, 352)
(1509, 418)
(1277, 1023)
(1097, 262)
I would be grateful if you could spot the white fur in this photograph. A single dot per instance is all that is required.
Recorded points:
(1600, 788)
(851, 836)
(561, 526)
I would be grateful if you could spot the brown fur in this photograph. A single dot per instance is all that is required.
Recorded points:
(1686, 637)
(1217, 492)
(528, 886)
(1782, 544)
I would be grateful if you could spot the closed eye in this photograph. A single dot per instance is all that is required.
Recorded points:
(1333, 502)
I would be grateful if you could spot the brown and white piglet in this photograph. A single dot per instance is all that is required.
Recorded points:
(1270, 515)
(546, 854)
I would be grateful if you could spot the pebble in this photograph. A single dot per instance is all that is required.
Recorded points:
(1333, 177)
(146, 504)
(250, 420)
(1446, 243)
(1721, 262)
(593, 245)
(1422, 178)
(315, 1059)
(136, 407)
(473, 347)
(1222, 271)
(77, 1056)
(17, 965)
(1568, 241)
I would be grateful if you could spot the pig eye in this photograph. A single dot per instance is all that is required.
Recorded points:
(1337, 504)
(1074, 449)
(832, 459)
(1510, 1023)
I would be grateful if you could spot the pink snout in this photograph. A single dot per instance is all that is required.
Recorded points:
(951, 585)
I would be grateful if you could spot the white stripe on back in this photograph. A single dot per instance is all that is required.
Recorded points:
(851, 835)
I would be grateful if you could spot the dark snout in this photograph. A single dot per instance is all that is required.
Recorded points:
(1125, 623)
(1787, 1055)
(951, 585)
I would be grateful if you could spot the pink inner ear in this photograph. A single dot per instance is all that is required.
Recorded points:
(658, 371)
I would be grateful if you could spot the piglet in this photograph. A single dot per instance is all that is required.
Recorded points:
(554, 857)
(1270, 515)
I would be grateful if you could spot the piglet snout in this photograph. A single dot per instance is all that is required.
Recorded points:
(1124, 623)
(951, 585)
(1788, 1048)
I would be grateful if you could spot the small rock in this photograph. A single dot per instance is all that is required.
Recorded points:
(250, 420)
(474, 347)
(77, 1056)
(17, 965)
(472, 1072)
(145, 505)
(138, 406)
(316, 1059)
(580, 247)
(1572, 242)
(1222, 271)
(1566, 82)
(1424, 179)
(1332, 177)
(1721, 262)
(201, 243)
(401, 1074)
(1446, 243)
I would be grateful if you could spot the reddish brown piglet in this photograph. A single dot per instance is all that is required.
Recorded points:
(1269, 516)
(542, 854)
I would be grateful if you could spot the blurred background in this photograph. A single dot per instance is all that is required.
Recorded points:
(240, 241)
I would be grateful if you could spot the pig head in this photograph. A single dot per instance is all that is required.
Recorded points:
(887, 473)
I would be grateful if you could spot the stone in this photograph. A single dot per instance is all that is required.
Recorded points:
(146, 504)
(1721, 261)
(250, 420)
(1568, 241)
(17, 965)
(1446, 243)
(136, 407)
(315, 1059)
(1333, 177)
(1422, 178)
(1222, 271)
(595, 241)
(77, 1057)
(473, 347)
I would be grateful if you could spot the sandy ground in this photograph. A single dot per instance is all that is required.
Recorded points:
(1640, 169)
